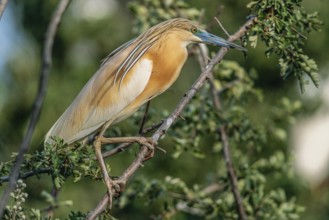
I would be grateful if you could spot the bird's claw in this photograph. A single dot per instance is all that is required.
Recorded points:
(114, 188)
(150, 144)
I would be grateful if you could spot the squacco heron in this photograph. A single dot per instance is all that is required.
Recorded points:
(131, 75)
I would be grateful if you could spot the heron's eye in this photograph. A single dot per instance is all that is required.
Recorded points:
(194, 29)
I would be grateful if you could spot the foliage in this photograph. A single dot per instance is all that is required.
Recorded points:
(60, 161)
(282, 26)
(257, 140)
(151, 12)
(16, 211)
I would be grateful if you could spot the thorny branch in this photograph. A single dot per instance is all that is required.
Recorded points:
(36, 109)
(206, 74)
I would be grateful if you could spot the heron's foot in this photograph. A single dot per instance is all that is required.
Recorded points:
(114, 189)
(150, 144)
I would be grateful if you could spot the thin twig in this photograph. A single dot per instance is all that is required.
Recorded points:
(152, 127)
(208, 190)
(231, 174)
(214, 94)
(144, 119)
(51, 209)
(202, 56)
(167, 123)
(222, 27)
(3, 4)
(28, 174)
(212, 188)
(226, 149)
(228, 86)
(36, 109)
(300, 34)
(186, 199)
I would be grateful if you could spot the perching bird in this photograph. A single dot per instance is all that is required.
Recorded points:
(131, 75)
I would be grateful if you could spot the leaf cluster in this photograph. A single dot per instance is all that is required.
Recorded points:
(151, 12)
(282, 26)
(58, 160)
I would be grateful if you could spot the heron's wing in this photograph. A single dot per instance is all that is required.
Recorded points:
(101, 100)
(117, 51)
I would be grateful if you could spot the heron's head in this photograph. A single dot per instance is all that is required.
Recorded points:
(189, 32)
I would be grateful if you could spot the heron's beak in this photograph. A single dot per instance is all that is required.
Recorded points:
(213, 39)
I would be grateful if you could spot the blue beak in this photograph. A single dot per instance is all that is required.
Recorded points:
(213, 39)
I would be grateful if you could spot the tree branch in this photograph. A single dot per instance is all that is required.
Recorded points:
(231, 174)
(28, 174)
(226, 148)
(224, 137)
(36, 109)
(3, 4)
(167, 123)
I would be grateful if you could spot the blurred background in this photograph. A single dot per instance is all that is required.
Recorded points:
(90, 30)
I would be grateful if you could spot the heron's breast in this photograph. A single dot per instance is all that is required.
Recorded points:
(167, 65)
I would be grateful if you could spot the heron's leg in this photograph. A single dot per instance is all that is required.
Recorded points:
(113, 186)
(116, 186)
